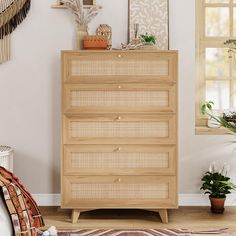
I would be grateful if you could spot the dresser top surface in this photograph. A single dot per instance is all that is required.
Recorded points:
(119, 51)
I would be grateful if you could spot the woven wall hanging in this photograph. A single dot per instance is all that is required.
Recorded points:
(12, 13)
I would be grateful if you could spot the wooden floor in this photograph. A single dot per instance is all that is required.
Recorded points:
(195, 218)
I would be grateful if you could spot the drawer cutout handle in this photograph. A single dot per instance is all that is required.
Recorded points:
(118, 118)
(117, 149)
(118, 180)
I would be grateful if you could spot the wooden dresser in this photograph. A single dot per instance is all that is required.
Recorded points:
(119, 130)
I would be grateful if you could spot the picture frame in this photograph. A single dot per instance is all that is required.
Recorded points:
(152, 17)
(87, 4)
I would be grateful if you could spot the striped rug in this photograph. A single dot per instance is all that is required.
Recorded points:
(149, 232)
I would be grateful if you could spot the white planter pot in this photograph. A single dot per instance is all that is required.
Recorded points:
(213, 124)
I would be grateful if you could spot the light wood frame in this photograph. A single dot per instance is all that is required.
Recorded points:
(148, 203)
(144, 88)
(170, 120)
(164, 55)
(170, 150)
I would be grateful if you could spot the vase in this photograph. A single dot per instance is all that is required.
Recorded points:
(217, 205)
(81, 33)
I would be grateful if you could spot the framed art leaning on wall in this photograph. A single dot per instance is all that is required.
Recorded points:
(152, 17)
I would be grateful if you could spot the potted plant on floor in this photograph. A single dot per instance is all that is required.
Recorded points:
(218, 186)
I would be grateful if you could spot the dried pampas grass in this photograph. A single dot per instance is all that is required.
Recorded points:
(82, 17)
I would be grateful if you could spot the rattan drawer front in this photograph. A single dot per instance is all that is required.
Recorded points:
(119, 160)
(111, 67)
(119, 130)
(96, 132)
(122, 98)
(125, 191)
(117, 66)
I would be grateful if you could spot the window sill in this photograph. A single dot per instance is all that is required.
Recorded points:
(204, 130)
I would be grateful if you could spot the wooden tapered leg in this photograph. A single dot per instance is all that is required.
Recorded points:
(164, 215)
(75, 216)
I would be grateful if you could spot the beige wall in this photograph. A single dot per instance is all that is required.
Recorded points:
(30, 93)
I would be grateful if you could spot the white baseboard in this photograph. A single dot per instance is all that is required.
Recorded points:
(184, 200)
(202, 200)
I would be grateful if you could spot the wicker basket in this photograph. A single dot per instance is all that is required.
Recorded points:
(6, 157)
(94, 42)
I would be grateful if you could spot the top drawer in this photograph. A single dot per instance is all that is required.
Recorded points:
(119, 66)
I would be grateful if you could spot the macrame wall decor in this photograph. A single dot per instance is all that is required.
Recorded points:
(12, 13)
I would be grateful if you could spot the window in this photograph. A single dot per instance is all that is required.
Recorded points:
(216, 68)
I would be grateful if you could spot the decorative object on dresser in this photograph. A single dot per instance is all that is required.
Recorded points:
(105, 30)
(151, 16)
(95, 42)
(144, 42)
(82, 18)
(148, 41)
(12, 13)
(119, 130)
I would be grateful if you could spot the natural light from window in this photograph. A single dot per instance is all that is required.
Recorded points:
(217, 23)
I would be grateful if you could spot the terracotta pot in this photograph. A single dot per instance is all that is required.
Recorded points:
(95, 42)
(217, 205)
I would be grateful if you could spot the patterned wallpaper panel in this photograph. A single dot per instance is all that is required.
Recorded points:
(152, 17)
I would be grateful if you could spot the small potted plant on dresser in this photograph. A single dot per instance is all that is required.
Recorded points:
(148, 41)
(218, 186)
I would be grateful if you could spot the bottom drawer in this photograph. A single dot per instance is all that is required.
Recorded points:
(119, 192)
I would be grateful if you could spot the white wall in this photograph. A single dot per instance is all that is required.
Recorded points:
(30, 93)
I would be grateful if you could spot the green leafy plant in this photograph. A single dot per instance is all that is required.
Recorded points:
(217, 184)
(207, 106)
(226, 121)
(231, 44)
(148, 39)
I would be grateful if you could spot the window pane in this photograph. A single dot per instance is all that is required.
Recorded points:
(234, 26)
(217, 21)
(219, 93)
(234, 95)
(217, 62)
(218, 1)
(234, 64)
